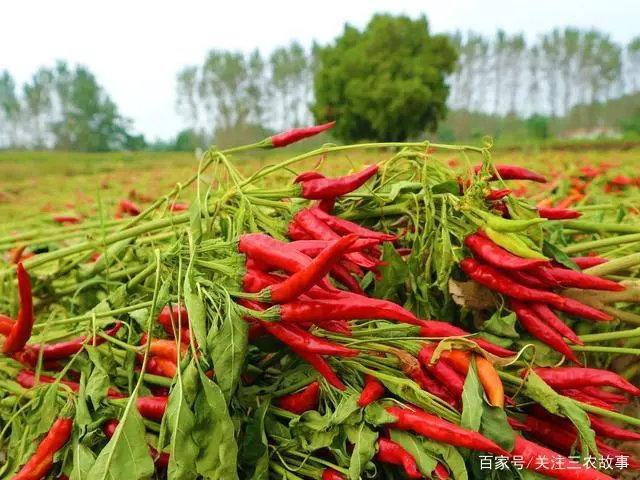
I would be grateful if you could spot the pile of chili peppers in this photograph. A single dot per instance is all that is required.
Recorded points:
(405, 320)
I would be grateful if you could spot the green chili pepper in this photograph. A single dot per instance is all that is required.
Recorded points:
(506, 225)
(512, 243)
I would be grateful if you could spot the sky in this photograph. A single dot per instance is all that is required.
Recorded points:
(136, 47)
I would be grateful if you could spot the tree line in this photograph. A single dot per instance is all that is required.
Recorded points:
(566, 75)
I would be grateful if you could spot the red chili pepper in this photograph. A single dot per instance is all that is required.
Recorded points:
(42, 460)
(346, 227)
(337, 326)
(329, 474)
(410, 366)
(66, 219)
(322, 367)
(392, 453)
(297, 233)
(21, 331)
(527, 279)
(545, 276)
(163, 348)
(513, 172)
(127, 206)
(568, 377)
(605, 396)
(551, 319)
(340, 273)
(319, 230)
(498, 281)
(441, 430)
(372, 391)
(57, 351)
(303, 280)
(152, 408)
(534, 457)
(489, 252)
(588, 262)
(326, 204)
(571, 278)
(303, 401)
(497, 194)
(299, 339)
(177, 312)
(323, 188)
(6, 325)
(581, 396)
(304, 176)
(296, 134)
(314, 247)
(162, 367)
(179, 207)
(443, 371)
(558, 213)
(354, 307)
(440, 472)
(27, 379)
(162, 460)
(540, 330)
(607, 430)
(276, 254)
(436, 329)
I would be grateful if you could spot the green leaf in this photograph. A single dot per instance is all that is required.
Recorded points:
(345, 409)
(502, 326)
(376, 414)
(394, 274)
(495, 426)
(83, 416)
(214, 433)
(83, 460)
(126, 455)
(364, 441)
(450, 186)
(414, 445)
(195, 309)
(47, 411)
(450, 456)
(180, 419)
(230, 350)
(99, 381)
(472, 403)
(255, 452)
(550, 250)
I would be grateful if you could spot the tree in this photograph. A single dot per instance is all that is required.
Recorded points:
(10, 109)
(538, 127)
(385, 83)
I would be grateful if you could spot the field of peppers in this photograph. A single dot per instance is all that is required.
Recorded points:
(369, 311)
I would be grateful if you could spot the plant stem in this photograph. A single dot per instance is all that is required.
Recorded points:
(597, 227)
(618, 350)
(603, 242)
(616, 265)
(603, 337)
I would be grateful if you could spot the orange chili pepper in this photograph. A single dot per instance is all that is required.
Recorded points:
(461, 359)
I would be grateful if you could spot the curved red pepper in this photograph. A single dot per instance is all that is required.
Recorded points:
(392, 453)
(588, 262)
(296, 134)
(329, 474)
(323, 188)
(571, 278)
(442, 370)
(552, 213)
(152, 408)
(21, 331)
(551, 319)
(569, 377)
(513, 172)
(178, 312)
(441, 430)
(303, 401)
(543, 332)
(27, 379)
(60, 350)
(303, 280)
(42, 460)
(346, 227)
(436, 329)
(372, 391)
(497, 256)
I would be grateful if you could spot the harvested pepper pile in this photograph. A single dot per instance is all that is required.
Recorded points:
(410, 320)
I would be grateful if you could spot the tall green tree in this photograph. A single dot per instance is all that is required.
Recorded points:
(386, 82)
(10, 110)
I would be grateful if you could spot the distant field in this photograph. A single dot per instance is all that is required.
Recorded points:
(33, 185)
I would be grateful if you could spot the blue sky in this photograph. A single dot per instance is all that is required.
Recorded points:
(135, 47)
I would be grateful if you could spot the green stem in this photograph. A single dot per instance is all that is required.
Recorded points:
(609, 414)
(617, 350)
(616, 265)
(604, 242)
(597, 227)
(341, 148)
(603, 337)
(89, 316)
